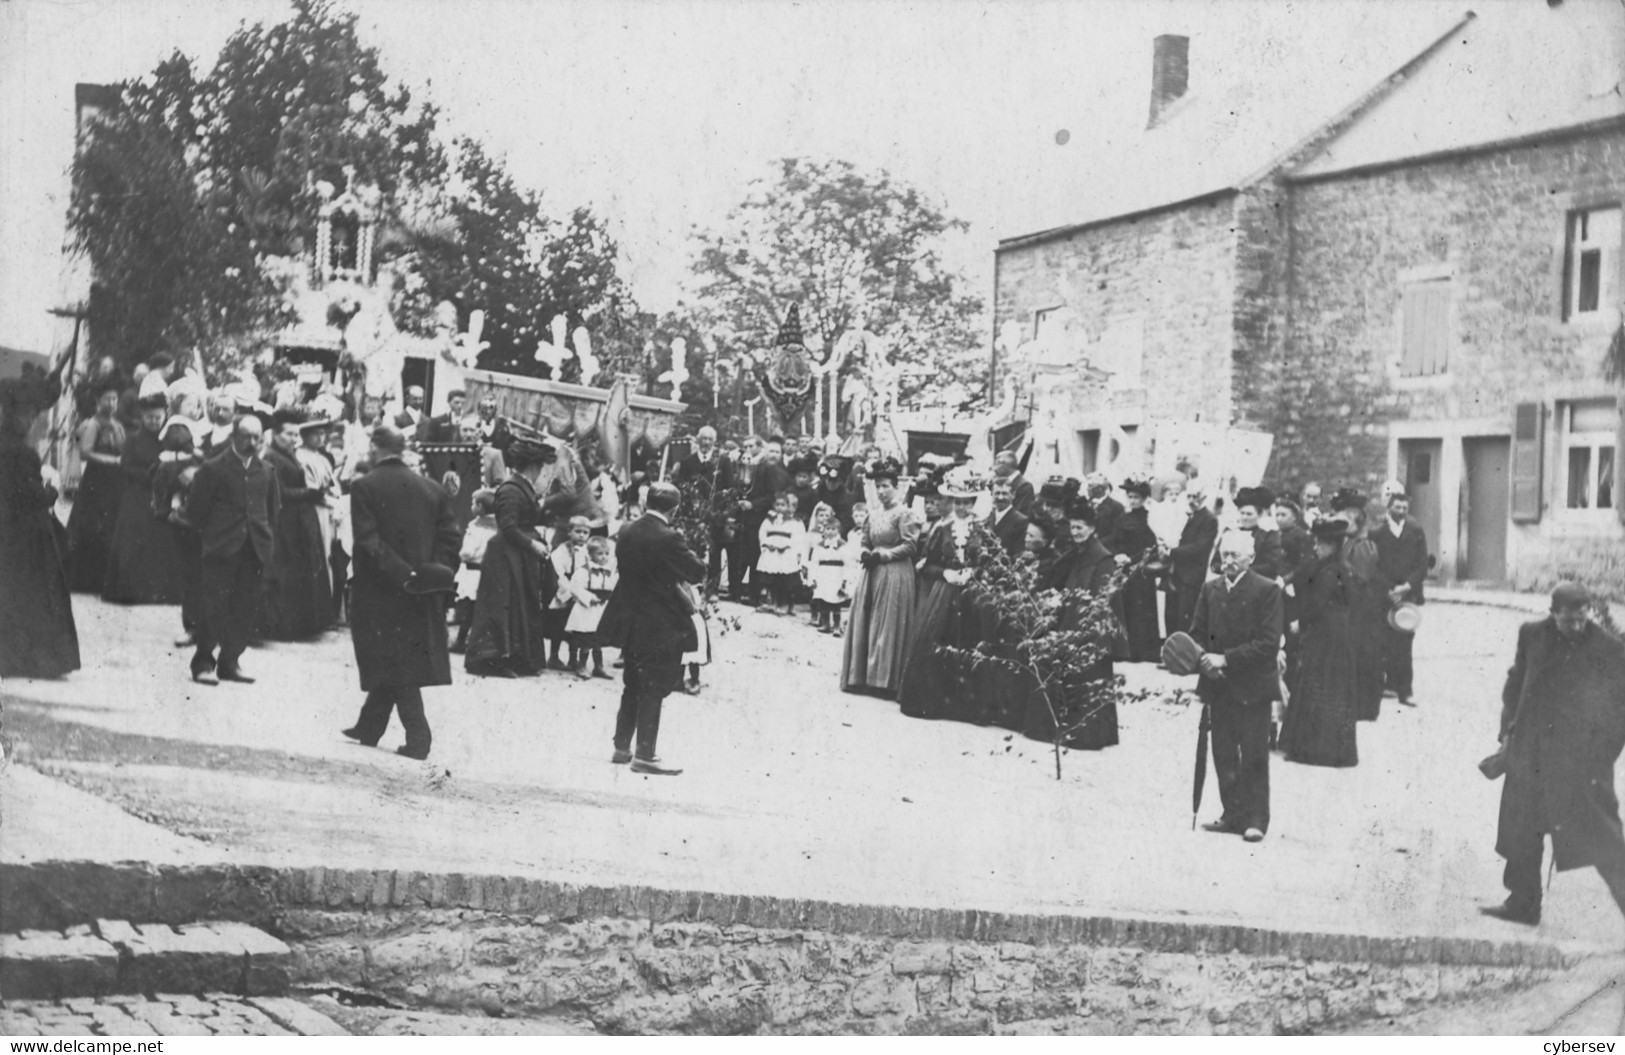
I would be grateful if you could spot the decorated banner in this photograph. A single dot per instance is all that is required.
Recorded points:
(785, 371)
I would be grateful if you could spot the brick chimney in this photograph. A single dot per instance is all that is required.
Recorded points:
(1170, 73)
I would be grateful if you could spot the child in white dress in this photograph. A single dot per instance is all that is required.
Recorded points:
(826, 570)
(784, 546)
(476, 537)
(593, 582)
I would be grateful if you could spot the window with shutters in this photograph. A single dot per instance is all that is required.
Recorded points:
(1589, 432)
(1425, 329)
(1591, 262)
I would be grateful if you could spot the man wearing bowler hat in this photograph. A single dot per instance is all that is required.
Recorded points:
(1562, 728)
(406, 543)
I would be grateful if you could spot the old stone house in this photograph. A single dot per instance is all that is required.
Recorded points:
(1420, 285)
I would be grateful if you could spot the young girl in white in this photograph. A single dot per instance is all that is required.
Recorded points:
(826, 570)
(591, 586)
(784, 546)
(476, 537)
(567, 557)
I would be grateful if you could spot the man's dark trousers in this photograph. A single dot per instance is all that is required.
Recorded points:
(1241, 761)
(649, 678)
(1396, 660)
(713, 562)
(1522, 878)
(231, 591)
(407, 700)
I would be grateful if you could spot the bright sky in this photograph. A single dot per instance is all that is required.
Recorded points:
(658, 114)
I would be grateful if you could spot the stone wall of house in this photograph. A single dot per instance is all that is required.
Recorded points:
(1174, 271)
(1495, 221)
(1262, 218)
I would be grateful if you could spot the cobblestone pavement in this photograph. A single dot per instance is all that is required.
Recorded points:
(167, 1015)
(791, 787)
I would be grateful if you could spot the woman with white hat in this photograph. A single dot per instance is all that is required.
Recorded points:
(935, 685)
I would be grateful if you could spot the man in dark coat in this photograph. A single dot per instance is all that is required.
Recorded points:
(234, 504)
(1402, 564)
(1562, 728)
(404, 526)
(447, 427)
(1238, 625)
(650, 620)
(768, 479)
(1007, 467)
(1190, 557)
(1006, 522)
(708, 473)
(411, 415)
(1108, 510)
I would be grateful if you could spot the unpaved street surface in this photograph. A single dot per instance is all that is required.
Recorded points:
(791, 788)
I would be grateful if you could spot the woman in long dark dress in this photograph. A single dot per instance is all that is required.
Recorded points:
(1088, 565)
(38, 638)
(1368, 604)
(100, 439)
(145, 564)
(300, 594)
(1320, 724)
(1135, 544)
(937, 685)
(505, 637)
(878, 632)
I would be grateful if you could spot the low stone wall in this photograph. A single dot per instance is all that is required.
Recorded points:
(626, 975)
(640, 960)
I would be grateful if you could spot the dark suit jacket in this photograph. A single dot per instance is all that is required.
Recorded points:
(442, 429)
(1244, 624)
(1195, 544)
(647, 613)
(402, 521)
(407, 423)
(1402, 560)
(1022, 494)
(1010, 528)
(716, 473)
(229, 504)
(1108, 511)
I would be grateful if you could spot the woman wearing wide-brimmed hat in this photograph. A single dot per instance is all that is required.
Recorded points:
(877, 635)
(506, 637)
(1320, 725)
(935, 685)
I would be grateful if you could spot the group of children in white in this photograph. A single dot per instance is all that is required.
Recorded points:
(810, 561)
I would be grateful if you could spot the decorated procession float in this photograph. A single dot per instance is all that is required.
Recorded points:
(346, 340)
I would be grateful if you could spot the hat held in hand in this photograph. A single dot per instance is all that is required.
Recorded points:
(432, 578)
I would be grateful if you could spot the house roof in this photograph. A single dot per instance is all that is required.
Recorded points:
(1243, 116)
(1518, 71)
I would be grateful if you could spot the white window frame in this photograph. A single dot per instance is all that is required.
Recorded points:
(1587, 232)
(1042, 316)
(1595, 441)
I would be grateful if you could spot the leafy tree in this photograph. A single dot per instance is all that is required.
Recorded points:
(849, 247)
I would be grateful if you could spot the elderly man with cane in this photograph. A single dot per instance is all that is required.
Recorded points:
(1562, 728)
(1237, 625)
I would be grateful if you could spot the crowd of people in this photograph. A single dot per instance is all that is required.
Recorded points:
(278, 522)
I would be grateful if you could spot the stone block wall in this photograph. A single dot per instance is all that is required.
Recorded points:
(1175, 270)
(1496, 221)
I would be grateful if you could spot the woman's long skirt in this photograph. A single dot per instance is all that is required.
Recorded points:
(1320, 723)
(91, 526)
(877, 635)
(301, 595)
(1140, 618)
(145, 564)
(937, 684)
(1368, 618)
(1087, 706)
(505, 633)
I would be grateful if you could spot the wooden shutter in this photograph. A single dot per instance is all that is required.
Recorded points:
(1426, 323)
(1527, 455)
